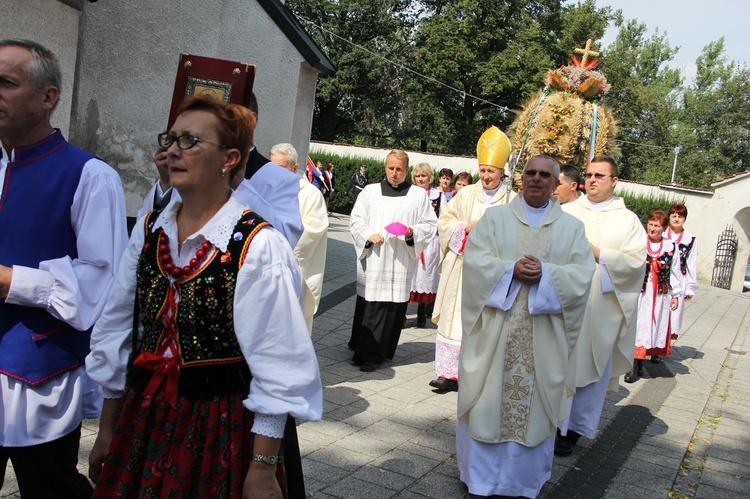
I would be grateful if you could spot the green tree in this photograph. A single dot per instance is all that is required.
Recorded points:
(643, 98)
(496, 50)
(714, 132)
(357, 103)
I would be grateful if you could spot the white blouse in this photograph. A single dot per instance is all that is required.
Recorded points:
(268, 320)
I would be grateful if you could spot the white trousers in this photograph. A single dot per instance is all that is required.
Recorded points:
(585, 407)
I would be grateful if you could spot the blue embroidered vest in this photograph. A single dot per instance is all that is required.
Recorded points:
(35, 226)
(210, 359)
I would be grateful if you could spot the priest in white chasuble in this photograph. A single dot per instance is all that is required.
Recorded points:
(606, 344)
(527, 275)
(457, 219)
(391, 224)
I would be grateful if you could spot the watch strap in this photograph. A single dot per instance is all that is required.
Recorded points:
(270, 460)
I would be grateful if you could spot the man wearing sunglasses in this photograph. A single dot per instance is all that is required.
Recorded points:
(604, 350)
(527, 272)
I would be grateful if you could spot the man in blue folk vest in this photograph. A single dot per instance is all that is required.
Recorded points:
(62, 233)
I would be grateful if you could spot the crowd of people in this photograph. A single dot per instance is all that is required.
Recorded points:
(192, 340)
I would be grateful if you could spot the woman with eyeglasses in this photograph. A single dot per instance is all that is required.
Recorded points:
(196, 401)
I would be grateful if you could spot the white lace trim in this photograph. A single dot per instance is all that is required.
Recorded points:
(217, 231)
(269, 425)
(457, 238)
(446, 357)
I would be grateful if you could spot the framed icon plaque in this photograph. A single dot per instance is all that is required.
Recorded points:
(229, 81)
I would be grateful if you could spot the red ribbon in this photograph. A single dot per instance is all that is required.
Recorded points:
(463, 243)
(164, 367)
(654, 268)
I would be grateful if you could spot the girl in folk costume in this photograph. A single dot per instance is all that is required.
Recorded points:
(661, 287)
(688, 250)
(199, 379)
(424, 284)
(446, 179)
(457, 219)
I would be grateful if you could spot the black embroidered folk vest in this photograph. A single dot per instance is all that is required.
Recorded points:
(210, 359)
(662, 285)
(685, 250)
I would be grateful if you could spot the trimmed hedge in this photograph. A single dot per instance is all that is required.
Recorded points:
(344, 168)
(643, 205)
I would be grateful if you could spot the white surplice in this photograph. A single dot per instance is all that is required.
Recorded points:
(384, 271)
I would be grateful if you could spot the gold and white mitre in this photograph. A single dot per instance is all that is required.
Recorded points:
(493, 148)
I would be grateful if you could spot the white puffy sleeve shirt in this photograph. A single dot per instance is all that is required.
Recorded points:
(268, 320)
(71, 290)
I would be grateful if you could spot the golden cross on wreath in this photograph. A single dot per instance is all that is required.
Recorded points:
(586, 52)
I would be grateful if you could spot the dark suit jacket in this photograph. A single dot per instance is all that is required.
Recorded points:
(254, 162)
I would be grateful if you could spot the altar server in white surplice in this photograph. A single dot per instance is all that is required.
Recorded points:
(605, 346)
(386, 261)
(311, 247)
(527, 275)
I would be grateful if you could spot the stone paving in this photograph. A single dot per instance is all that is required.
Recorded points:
(683, 430)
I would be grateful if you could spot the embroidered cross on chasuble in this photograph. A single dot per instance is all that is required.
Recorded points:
(519, 371)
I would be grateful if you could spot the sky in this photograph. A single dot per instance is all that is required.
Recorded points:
(691, 25)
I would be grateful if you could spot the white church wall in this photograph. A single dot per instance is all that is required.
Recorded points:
(437, 161)
(128, 60)
(54, 25)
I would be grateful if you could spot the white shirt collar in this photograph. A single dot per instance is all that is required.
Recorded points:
(536, 215)
(217, 231)
(601, 205)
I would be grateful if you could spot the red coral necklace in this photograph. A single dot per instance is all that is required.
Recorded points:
(165, 257)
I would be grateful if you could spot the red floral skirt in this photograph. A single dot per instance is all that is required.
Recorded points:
(201, 448)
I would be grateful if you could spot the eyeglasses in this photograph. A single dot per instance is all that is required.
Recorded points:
(184, 142)
(597, 176)
(542, 173)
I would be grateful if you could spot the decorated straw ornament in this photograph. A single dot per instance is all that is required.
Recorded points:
(568, 120)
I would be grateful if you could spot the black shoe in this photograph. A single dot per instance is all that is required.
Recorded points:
(640, 367)
(444, 385)
(563, 447)
(655, 359)
(369, 367)
(356, 362)
(564, 444)
(632, 376)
